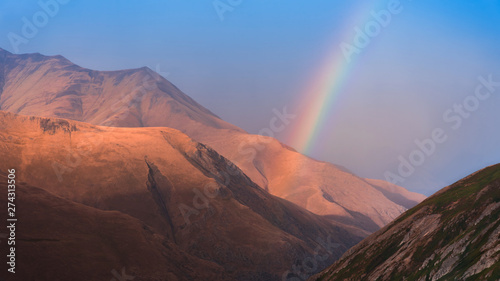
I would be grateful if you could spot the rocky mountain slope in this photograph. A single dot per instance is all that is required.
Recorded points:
(33, 84)
(152, 193)
(452, 235)
(57, 239)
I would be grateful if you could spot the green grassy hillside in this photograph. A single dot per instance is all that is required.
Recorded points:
(453, 235)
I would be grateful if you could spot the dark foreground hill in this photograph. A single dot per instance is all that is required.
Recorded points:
(453, 235)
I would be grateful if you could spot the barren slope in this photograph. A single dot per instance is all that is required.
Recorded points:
(180, 189)
(61, 240)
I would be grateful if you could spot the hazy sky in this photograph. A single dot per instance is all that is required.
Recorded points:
(244, 59)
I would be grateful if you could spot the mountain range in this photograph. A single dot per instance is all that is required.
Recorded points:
(452, 235)
(52, 86)
(123, 169)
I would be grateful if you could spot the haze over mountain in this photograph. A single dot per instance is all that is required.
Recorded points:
(452, 235)
(34, 84)
(151, 196)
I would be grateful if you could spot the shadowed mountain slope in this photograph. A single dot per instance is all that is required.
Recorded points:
(58, 239)
(159, 182)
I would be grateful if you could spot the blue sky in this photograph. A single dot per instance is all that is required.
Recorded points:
(262, 55)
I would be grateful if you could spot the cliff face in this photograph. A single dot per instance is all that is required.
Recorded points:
(452, 235)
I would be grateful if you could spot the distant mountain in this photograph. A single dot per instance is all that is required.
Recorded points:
(33, 84)
(151, 200)
(452, 235)
(397, 194)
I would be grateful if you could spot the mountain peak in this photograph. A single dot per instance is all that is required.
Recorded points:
(61, 58)
(137, 97)
(154, 172)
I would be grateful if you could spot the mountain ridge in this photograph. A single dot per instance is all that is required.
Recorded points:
(452, 235)
(55, 87)
(72, 84)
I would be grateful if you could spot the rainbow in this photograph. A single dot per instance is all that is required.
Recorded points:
(318, 100)
(325, 88)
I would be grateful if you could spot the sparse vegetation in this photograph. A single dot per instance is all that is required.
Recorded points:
(462, 234)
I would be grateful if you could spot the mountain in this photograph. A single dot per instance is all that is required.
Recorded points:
(452, 235)
(57, 239)
(397, 194)
(113, 196)
(33, 84)
(320, 187)
(51, 86)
